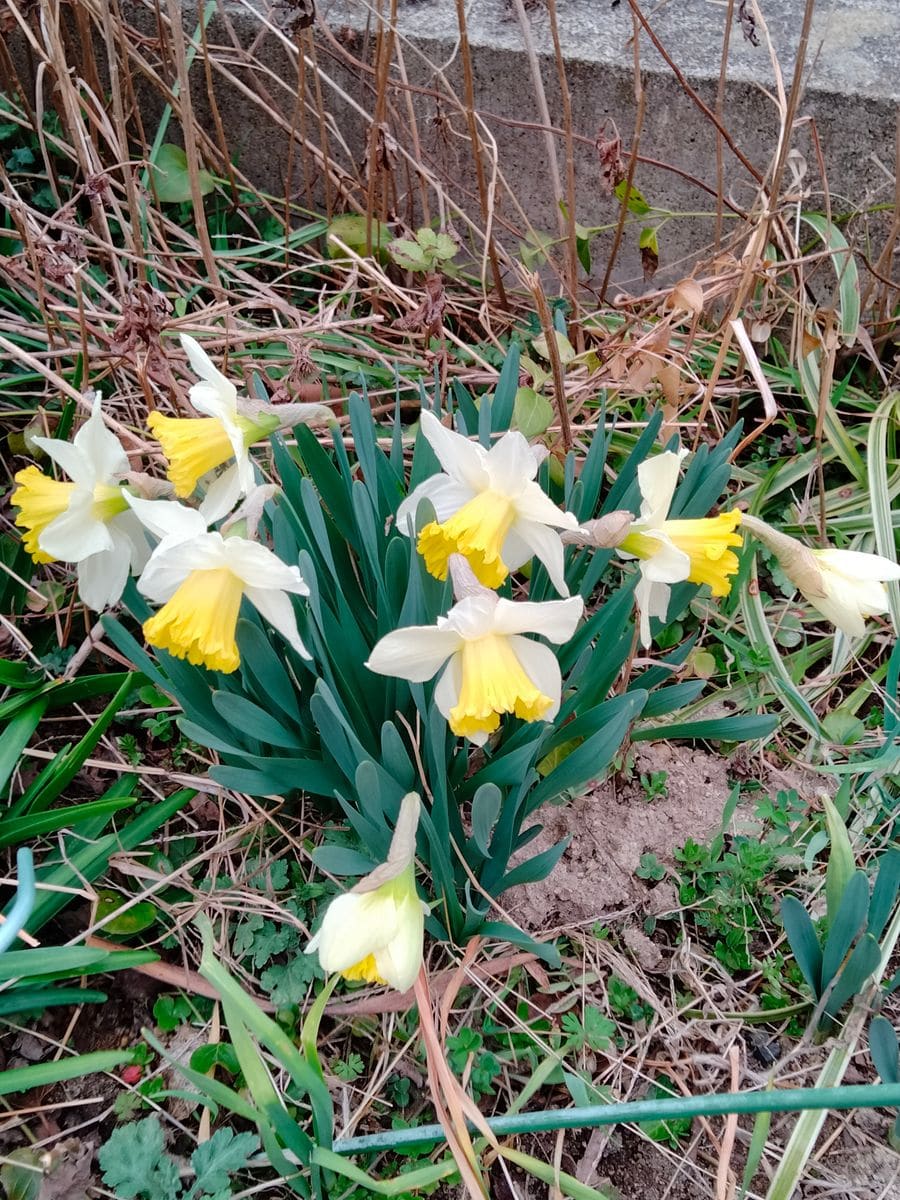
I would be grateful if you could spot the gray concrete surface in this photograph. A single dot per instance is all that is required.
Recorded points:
(852, 90)
(851, 81)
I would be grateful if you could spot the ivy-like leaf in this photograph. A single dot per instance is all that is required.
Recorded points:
(216, 1160)
(171, 177)
(134, 1163)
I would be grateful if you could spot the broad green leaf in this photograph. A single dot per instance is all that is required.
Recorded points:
(171, 177)
(856, 973)
(532, 413)
(635, 203)
(341, 861)
(133, 920)
(849, 917)
(215, 1161)
(410, 256)
(350, 228)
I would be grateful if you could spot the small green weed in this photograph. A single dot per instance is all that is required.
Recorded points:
(136, 1165)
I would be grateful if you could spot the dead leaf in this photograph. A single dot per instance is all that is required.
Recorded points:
(687, 296)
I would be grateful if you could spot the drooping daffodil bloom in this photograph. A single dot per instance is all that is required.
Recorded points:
(699, 550)
(195, 446)
(845, 586)
(491, 668)
(375, 932)
(488, 507)
(86, 521)
(200, 577)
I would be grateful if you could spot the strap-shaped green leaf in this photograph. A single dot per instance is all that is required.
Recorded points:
(801, 935)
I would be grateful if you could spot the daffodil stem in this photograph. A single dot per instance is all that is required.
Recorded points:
(878, 1095)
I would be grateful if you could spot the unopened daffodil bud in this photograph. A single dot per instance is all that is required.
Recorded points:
(845, 586)
(375, 932)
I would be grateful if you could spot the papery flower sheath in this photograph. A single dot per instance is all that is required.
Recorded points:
(699, 550)
(200, 577)
(845, 586)
(491, 668)
(375, 932)
(488, 508)
(86, 521)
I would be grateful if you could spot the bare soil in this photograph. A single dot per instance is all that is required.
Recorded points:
(611, 826)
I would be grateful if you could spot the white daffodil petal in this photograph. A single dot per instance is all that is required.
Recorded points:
(855, 565)
(225, 392)
(399, 961)
(461, 459)
(166, 518)
(511, 463)
(102, 577)
(130, 540)
(221, 495)
(652, 600)
(535, 505)
(542, 668)
(276, 607)
(657, 479)
(259, 567)
(78, 468)
(473, 616)
(447, 688)
(447, 496)
(211, 402)
(244, 465)
(668, 565)
(843, 616)
(544, 543)
(101, 447)
(556, 620)
(414, 653)
(75, 534)
(173, 560)
(354, 927)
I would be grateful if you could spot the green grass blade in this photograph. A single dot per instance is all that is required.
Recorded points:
(881, 429)
(23, 1079)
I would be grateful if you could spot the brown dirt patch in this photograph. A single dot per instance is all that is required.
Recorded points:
(611, 826)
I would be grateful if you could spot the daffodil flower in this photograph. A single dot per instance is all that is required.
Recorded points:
(195, 446)
(491, 669)
(488, 508)
(698, 551)
(375, 932)
(200, 577)
(86, 521)
(845, 586)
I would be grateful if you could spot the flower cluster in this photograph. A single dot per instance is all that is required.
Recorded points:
(100, 521)
(479, 520)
